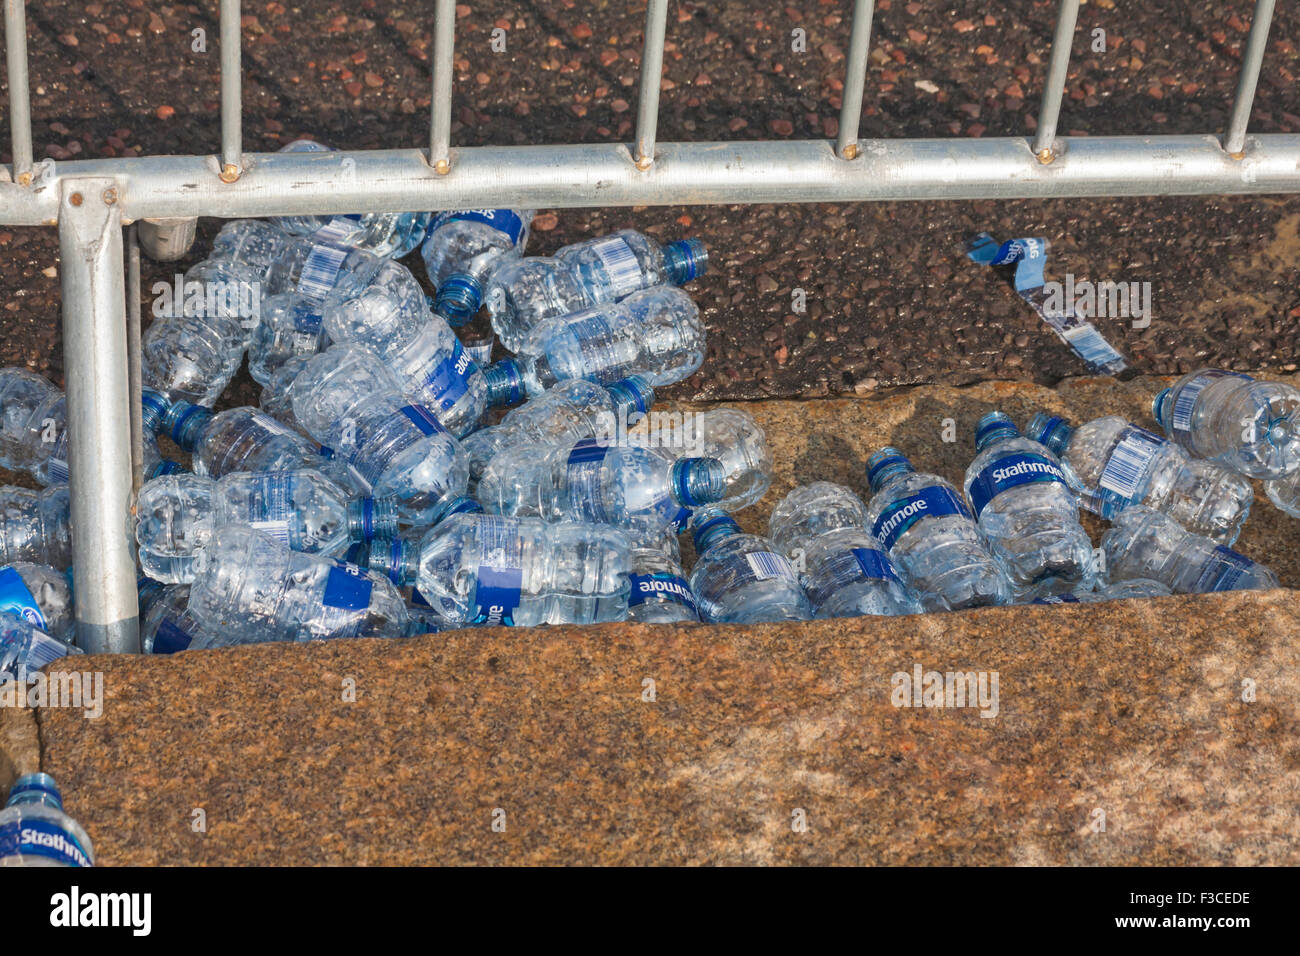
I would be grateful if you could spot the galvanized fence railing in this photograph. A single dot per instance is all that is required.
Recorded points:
(91, 200)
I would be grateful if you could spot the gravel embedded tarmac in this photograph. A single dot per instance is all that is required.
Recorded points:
(890, 299)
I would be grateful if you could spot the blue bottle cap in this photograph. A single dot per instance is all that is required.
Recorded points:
(1050, 430)
(995, 426)
(884, 465)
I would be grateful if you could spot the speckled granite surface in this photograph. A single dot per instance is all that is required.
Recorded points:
(1133, 710)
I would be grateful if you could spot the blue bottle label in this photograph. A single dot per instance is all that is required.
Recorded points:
(661, 584)
(423, 419)
(41, 651)
(306, 318)
(171, 638)
(583, 481)
(876, 564)
(320, 271)
(347, 588)
(1223, 570)
(622, 268)
(449, 380)
(500, 576)
(42, 838)
(17, 600)
(1180, 423)
(935, 501)
(766, 565)
(502, 220)
(1010, 471)
(1121, 483)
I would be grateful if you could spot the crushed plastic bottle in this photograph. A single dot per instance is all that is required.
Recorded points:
(177, 516)
(601, 484)
(1120, 590)
(728, 434)
(39, 595)
(742, 578)
(349, 401)
(1250, 426)
(1113, 464)
(249, 588)
(462, 250)
(921, 522)
(1285, 494)
(660, 593)
(1142, 543)
(845, 573)
(291, 326)
(166, 625)
(238, 439)
(569, 412)
(36, 526)
(34, 830)
(1023, 503)
(524, 293)
(656, 334)
(477, 569)
(383, 233)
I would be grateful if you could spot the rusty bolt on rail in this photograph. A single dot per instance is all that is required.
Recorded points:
(110, 196)
(442, 167)
(229, 173)
(850, 151)
(1046, 155)
(75, 199)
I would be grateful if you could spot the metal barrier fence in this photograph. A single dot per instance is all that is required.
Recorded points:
(89, 201)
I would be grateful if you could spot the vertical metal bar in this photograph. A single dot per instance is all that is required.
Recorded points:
(1234, 142)
(855, 79)
(1057, 70)
(133, 377)
(20, 104)
(444, 53)
(652, 69)
(232, 146)
(99, 415)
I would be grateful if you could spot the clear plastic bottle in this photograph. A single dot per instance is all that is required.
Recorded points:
(728, 434)
(477, 569)
(1250, 426)
(238, 439)
(291, 326)
(660, 592)
(177, 516)
(1113, 464)
(598, 483)
(524, 293)
(35, 526)
(34, 830)
(462, 250)
(383, 233)
(656, 334)
(923, 525)
(1142, 543)
(25, 649)
(569, 412)
(742, 578)
(39, 595)
(350, 402)
(822, 527)
(1019, 494)
(1120, 590)
(1285, 494)
(166, 625)
(249, 588)
(419, 347)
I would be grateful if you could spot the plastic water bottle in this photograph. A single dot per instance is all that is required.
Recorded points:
(166, 625)
(742, 578)
(656, 334)
(462, 250)
(477, 569)
(1250, 426)
(348, 400)
(1113, 464)
(1142, 543)
(238, 439)
(598, 483)
(34, 830)
(921, 522)
(25, 649)
(845, 573)
(569, 412)
(419, 347)
(35, 526)
(177, 516)
(383, 233)
(1019, 494)
(1120, 590)
(660, 593)
(39, 595)
(249, 588)
(728, 434)
(291, 326)
(1285, 493)
(524, 293)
